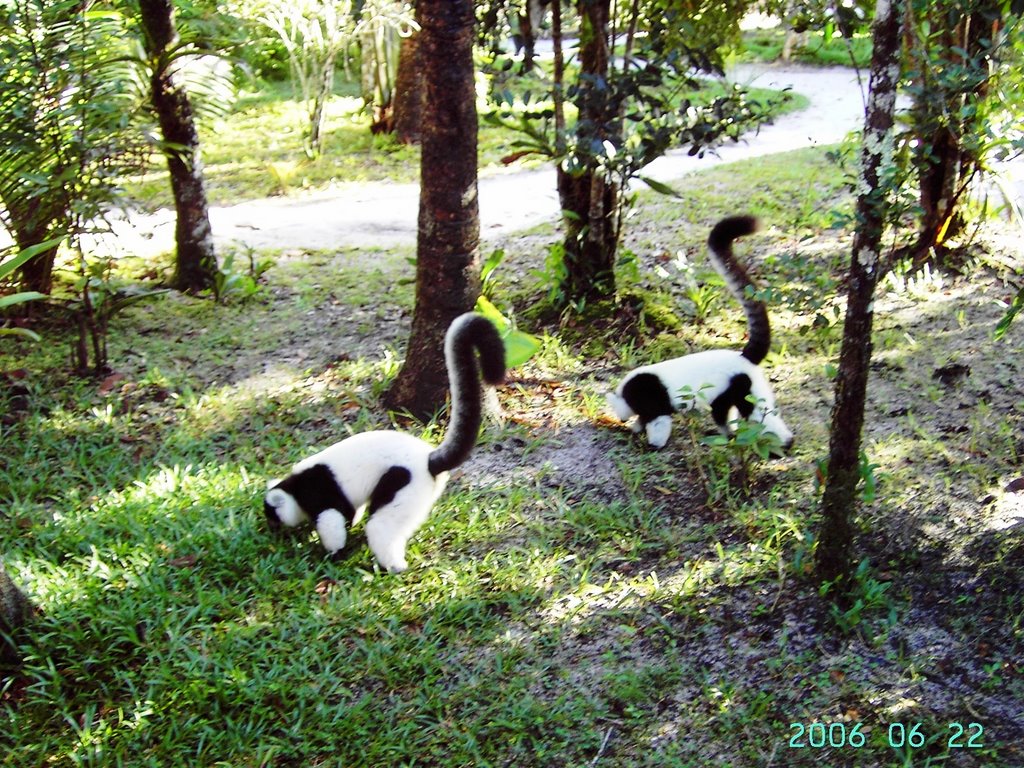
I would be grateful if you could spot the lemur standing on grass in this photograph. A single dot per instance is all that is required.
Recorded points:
(723, 380)
(392, 477)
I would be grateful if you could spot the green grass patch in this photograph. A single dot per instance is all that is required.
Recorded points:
(809, 47)
(575, 599)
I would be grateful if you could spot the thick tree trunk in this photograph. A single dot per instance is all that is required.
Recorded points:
(447, 248)
(196, 263)
(409, 91)
(590, 199)
(833, 557)
(14, 612)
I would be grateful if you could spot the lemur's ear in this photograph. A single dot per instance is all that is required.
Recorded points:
(276, 497)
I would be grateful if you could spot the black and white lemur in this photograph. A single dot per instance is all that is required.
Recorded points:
(392, 477)
(722, 379)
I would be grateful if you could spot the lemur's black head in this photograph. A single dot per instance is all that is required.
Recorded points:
(273, 521)
(281, 508)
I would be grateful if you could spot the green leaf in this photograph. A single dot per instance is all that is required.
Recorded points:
(519, 346)
(714, 440)
(492, 313)
(1015, 307)
(659, 187)
(7, 267)
(23, 332)
(20, 298)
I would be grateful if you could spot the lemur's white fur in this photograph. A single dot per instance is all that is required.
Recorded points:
(357, 464)
(694, 381)
(723, 381)
(394, 477)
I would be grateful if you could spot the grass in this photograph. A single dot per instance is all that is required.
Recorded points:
(812, 47)
(574, 599)
(257, 149)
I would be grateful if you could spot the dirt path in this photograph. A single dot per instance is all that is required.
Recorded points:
(383, 214)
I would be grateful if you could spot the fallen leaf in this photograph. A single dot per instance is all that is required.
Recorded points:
(109, 383)
(509, 159)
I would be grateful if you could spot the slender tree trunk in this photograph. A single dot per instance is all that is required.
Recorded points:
(528, 36)
(196, 263)
(37, 273)
(558, 75)
(316, 116)
(380, 73)
(448, 242)
(14, 612)
(945, 160)
(833, 556)
(409, 91)
(588, 197)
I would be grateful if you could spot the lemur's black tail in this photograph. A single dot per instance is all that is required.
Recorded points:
(467, 334)
(759, 336)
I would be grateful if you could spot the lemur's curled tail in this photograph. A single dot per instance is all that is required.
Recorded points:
(468, 334)
(720, 241)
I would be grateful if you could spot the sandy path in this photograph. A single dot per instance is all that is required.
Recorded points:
(384, 214)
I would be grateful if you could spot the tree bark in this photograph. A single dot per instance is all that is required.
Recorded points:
(448, 241)
(37, 273)
(316, 115)
(833, 556)
(528, 36)
(590, 199)
(14, 612)
(196, 262)
(409, 91)
(558, 75)
(944, 159)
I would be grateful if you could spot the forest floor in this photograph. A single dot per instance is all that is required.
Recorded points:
(576, 599)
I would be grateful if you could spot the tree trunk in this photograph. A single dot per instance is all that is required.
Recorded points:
(558, 76)
(324, 87)
(14, 612)
(409, 91)
(527, 36)
(944, 159)
(448, 242)
(196, 263)
(591, 234)
(381, 58)
(937, 178)
(37, 273)
(590, 199)
(833, 556)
